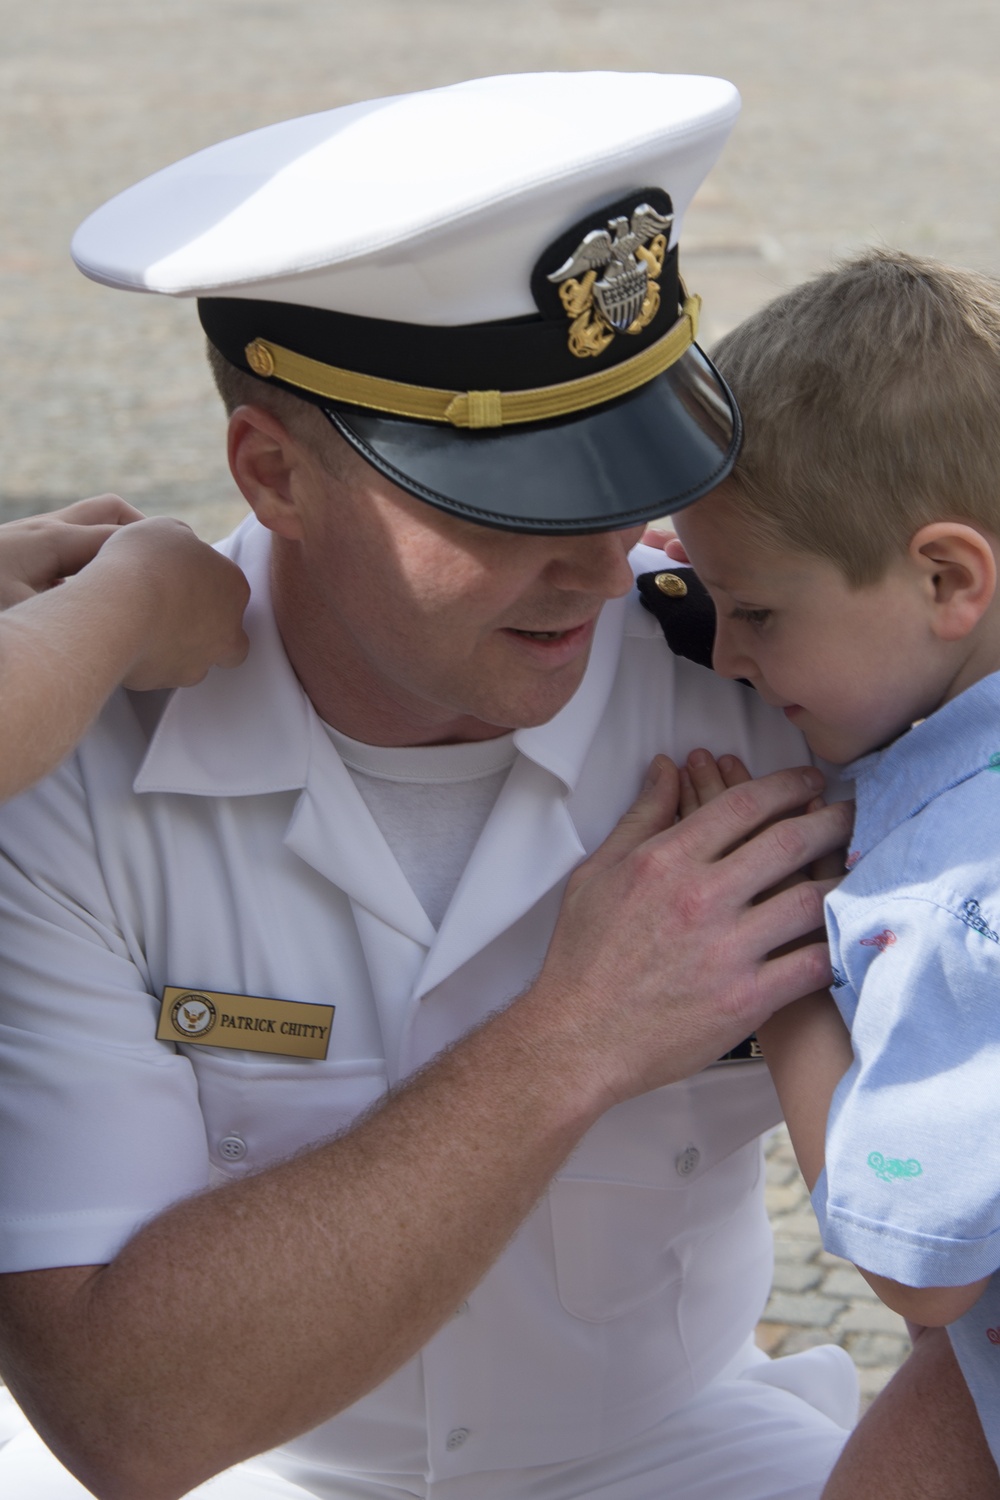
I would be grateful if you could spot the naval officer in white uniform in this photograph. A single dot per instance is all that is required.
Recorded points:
(461, 372)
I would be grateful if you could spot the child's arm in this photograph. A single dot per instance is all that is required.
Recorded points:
(144, 603)
(808, 1050)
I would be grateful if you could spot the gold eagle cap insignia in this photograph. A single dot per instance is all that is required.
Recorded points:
(630, 253)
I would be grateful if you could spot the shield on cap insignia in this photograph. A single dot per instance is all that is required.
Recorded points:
(628, 251)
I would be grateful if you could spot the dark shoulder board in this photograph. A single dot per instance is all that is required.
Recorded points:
(684, 609)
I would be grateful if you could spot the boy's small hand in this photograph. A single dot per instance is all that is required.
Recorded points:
(37, 553)
(705, 778)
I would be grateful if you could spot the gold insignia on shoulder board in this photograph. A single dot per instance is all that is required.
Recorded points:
(671, 584)
(626, 298)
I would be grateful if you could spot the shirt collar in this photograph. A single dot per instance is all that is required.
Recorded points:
(561, 745)
(246, 731)
(961, 739)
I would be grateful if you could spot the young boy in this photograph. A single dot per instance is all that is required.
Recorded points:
(142, 602)
(852, 560)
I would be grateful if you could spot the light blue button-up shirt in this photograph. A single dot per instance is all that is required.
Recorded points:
(911, 1188)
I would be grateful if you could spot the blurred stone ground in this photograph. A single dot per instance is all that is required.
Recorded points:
(865, 122)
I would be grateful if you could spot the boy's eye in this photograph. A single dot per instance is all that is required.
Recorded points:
(751, 616)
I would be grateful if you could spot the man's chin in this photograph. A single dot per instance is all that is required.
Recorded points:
(533, 715)
(537, 705)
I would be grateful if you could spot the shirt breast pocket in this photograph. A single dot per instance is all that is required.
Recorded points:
(258, 1110)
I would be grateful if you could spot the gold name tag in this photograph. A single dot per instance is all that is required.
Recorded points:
(251, 1023)
(747, 1051)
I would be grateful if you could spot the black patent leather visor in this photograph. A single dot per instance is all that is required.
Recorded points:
(654, 451)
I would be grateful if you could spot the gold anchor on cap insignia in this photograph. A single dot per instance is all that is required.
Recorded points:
(626, 298)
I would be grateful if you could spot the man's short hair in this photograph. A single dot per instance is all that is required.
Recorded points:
(871, 403)
(303, 420)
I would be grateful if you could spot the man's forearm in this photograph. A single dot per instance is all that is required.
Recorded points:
(384, 1232)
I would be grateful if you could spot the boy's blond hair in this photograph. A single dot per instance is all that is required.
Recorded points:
(871, 400)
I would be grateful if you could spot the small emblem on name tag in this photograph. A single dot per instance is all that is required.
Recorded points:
(748, 1051)
(249, 1023)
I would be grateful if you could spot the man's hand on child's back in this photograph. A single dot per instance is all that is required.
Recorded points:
(704, 778)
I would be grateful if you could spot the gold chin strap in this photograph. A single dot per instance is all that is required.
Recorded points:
(476, 408)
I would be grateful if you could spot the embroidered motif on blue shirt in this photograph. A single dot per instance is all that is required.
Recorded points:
(838, 980)
(994, 763)
(881, 940)
(973, 917)
(891, 1169)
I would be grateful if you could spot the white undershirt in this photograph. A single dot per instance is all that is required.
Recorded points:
(431, 803)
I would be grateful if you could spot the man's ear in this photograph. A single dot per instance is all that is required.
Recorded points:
(960, 575)
(263, 457)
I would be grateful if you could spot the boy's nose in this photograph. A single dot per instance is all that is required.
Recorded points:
(727, 657)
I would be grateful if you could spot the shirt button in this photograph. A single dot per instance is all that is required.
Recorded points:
(687, 1161)
(463, 1308)
(456, 1438)
(232, 1148)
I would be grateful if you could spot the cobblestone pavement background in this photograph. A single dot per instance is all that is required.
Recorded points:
(865, 121)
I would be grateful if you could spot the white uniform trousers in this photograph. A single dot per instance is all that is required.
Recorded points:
(762, 1430)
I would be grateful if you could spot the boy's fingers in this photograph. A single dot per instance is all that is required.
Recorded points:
(734, 773)
(705, 775)
(688, 797)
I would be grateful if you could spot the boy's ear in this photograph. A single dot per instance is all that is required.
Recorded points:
(960, 574)
(263, 457)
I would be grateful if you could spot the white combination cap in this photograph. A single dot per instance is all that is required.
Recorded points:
(478, 284)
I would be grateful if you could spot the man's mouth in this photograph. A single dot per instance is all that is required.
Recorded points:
(555, 644)
(541, 635)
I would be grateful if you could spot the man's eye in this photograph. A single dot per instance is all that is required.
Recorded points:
(751, 616)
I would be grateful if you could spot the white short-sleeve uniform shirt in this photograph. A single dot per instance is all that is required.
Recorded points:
(225, 847)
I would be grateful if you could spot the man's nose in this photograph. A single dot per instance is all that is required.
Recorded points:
(598, 563)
